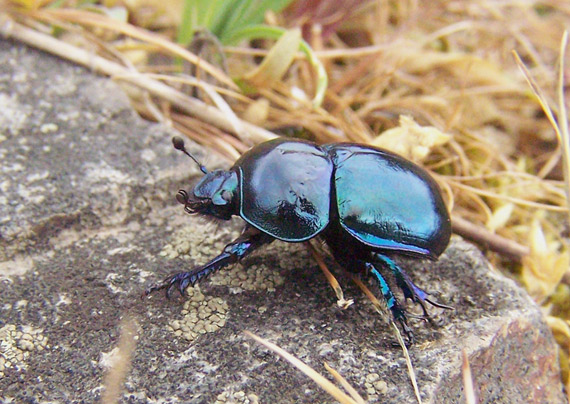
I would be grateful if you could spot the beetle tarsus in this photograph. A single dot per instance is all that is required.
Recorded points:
(182, 280)
(169, 284)
(411, 291)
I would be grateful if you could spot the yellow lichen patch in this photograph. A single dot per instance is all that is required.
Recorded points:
(201, 246)
(201, 314)
(251, 277)
(375, 386)
(264, 276)
(293, 255)
(198, 243)
(16, 344)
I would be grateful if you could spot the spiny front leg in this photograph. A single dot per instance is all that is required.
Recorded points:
(249, 240)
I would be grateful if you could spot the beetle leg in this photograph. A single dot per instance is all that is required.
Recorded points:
(363, 263)
(411, 291)
(398, 312)
(249, 240)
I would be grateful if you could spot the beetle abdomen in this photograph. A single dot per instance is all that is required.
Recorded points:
(285, 188)
(387, 202)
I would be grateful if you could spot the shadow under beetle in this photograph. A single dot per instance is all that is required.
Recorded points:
(366, 203)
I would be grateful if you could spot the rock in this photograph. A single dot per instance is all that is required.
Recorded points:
(88, 219)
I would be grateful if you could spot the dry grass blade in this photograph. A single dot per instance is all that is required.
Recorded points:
(324, 383)
(379, 308)
(563, 119)
(116, 375)
(499, 197)
(409, 364)
(227, 110)
(560, 127)
(87, 18)
(468, 387)
(341, 302)
(190, 105)
(338, 377)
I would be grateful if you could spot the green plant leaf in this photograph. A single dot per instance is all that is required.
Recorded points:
(264, 31)
(223, 18)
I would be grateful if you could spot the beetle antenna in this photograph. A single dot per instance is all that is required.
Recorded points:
(179, 145)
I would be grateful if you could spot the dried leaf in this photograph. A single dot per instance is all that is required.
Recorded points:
(277, 61)
(459, 64)
(544, 267)
(411, 140)
(257, 112)
(500, 216)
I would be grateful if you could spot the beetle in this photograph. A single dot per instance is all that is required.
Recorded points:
(367, 204)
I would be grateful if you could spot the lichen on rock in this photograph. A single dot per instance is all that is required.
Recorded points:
(17, 343)
(200, 314)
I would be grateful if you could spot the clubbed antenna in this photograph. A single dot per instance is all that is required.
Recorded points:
(179, 145)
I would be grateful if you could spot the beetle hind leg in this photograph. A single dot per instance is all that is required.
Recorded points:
(410, 290)
(397, 311)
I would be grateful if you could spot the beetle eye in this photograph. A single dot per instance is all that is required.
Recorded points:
(182, 197)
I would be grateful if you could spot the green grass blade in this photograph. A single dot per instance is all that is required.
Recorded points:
(188, 23)
(247, 13)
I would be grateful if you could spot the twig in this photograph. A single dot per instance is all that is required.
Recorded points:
(508, 248)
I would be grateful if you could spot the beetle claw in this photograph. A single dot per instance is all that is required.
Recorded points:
(168, 292)
(157, 286)
(408, 332)
(437, 304)
(400, 316)
(182, 285)
(169, 284)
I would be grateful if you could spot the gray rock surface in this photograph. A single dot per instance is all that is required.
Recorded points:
(88, 219)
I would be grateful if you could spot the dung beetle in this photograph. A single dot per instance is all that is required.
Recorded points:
(367, 204)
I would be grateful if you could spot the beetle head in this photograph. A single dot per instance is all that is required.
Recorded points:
(214, 195)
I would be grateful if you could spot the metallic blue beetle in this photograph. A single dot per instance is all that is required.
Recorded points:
(366, 203)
